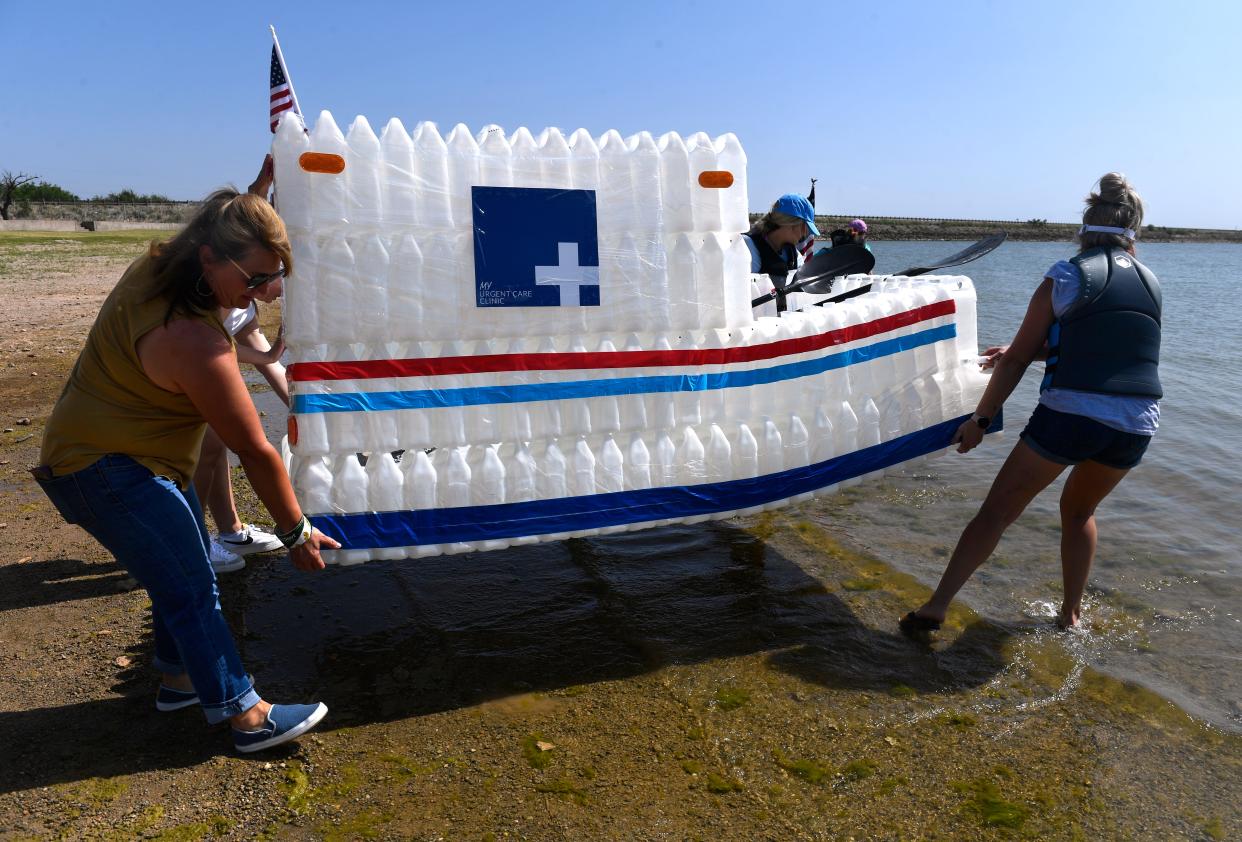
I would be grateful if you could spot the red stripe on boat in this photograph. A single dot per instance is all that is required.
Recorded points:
(430, 366)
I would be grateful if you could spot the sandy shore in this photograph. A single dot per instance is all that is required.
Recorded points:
(732, 681)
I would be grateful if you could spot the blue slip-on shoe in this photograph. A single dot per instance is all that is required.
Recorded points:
(167, 698)
(284, 723)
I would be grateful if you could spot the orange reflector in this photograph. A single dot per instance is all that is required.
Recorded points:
(322, 162)
(293, 430)
(715, 178)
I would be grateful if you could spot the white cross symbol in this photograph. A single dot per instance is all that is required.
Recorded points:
(568, 275)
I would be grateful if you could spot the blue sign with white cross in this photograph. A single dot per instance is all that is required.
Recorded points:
(535, 247)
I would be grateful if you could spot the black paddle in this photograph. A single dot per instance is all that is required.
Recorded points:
(973, 252)
(824, 267)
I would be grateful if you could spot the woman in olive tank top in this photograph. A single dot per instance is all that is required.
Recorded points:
(120, 447)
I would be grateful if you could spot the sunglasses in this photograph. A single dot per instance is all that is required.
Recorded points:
(261, 278)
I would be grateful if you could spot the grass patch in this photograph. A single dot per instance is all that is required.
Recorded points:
(296, 787)
(959, 720)
(857, 770)
(149, 818)
(537, 757)
(988, 806)
(889, 785)
(564, 788)
(301, 798)
(721, 784)
(1215, 830)
(83, 239)
(730, 698)
(100, 791)
(365, 825)
(806, 769)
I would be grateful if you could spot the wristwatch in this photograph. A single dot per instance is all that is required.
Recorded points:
(982, 420)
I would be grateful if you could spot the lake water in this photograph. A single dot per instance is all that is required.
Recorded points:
(1164, 608)
(1168, 557)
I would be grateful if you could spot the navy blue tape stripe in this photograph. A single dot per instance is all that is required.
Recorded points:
(596, 511)
(574, 389)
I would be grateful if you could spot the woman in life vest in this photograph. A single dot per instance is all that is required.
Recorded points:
(773, 240)
(855, 233)
(120, 448)
(1096, 318)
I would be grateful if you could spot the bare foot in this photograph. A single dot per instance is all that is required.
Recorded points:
(1067, 620)
(252, 719)
(927, 612)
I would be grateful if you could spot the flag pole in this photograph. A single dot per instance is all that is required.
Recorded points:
(280, 56)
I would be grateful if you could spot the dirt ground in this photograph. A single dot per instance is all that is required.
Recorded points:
(748, 687)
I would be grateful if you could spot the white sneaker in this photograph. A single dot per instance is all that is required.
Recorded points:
(251, 539)
(223, 561)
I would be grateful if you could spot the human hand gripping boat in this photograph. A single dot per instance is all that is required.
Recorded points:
(503, 339)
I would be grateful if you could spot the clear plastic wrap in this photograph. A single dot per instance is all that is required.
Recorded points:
(504, 338)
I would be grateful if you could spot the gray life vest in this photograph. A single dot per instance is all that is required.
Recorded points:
(1108, 341)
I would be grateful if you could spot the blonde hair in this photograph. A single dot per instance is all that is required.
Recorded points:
(1116, 204)
(232, 224)
(774, 219)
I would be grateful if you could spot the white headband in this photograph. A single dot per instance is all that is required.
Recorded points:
(1128, 233)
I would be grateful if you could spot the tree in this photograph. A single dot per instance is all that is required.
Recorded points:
(128, 196)
(8, 184)
(42, 191)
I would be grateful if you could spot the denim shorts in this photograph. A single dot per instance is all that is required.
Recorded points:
(1069, 439)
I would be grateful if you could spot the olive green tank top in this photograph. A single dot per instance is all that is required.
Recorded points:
(109, 405)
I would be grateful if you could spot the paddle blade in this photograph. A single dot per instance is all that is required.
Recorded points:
(836, 261)
(966, 255)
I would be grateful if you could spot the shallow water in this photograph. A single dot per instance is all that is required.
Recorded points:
(1166, 598)
(1163, 610)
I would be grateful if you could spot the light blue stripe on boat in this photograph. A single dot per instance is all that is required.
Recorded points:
(573, 389)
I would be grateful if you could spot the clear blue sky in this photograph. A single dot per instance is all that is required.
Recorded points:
(961, 109)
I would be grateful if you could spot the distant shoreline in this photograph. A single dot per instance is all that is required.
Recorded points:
(1037, 230)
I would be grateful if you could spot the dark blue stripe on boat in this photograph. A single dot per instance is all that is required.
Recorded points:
(595, 511)
(479, 395)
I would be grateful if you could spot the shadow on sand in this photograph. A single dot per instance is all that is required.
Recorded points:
(389, 640)
(49, 581)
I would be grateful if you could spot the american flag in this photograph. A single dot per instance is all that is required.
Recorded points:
(282, 92)
(808, 245)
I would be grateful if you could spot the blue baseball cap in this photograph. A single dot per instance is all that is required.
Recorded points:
(795, 205)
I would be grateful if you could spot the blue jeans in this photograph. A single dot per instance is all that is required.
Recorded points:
(156, 532)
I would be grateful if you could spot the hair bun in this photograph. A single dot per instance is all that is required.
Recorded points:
(1114, 189)
(1115, 204)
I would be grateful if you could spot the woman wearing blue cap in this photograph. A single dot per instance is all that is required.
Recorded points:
(1097, 319)
(774, 238)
